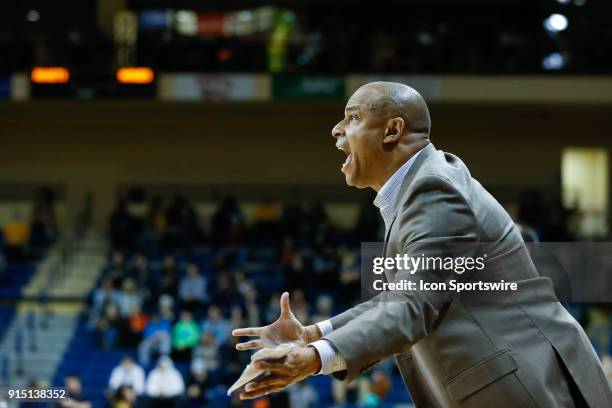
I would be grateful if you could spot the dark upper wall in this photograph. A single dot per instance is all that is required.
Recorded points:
(98, 146)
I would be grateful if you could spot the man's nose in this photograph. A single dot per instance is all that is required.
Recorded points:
(337, 131)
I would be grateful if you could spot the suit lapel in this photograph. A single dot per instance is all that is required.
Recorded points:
(387, 234)
(384, 251)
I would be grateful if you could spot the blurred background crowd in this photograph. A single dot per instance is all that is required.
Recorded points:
(174, 283)
(189, 176)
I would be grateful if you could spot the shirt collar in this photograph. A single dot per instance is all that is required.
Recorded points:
(387, 195)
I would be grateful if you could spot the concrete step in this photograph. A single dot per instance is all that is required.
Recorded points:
(40, 350)
(49, 336)
(70, 271)
(57, 275)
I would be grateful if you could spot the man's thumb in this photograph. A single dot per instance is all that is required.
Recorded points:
(284, 306)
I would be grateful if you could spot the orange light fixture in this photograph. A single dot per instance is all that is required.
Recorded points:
(135, 75)
(50, 75)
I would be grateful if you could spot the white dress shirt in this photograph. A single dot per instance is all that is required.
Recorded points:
(332, 361)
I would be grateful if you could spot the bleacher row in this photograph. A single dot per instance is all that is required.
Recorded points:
(94, 365)
(257, 262)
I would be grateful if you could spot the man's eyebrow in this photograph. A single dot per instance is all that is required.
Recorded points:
(352, 108)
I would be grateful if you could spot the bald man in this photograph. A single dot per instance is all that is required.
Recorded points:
(516, 351)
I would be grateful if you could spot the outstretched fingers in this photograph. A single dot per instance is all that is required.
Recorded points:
(247, 331)
(249, 345)
(286, 312)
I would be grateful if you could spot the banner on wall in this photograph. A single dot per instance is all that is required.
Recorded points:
(211, 24)
(302, 87)
(214, 87)
(430, 87)
(155, 20)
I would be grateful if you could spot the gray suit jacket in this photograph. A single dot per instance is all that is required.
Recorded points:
(511, 353)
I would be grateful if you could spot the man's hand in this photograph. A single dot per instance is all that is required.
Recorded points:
(285, 329)
(299, 364)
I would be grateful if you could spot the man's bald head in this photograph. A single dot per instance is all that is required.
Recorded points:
(384, 124)
(392, 99)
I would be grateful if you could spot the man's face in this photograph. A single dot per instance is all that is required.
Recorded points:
(360, 136)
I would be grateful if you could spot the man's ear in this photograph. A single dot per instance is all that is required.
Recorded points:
(393, 131)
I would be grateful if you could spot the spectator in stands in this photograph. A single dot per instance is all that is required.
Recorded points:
(302, 395)
(16, 238)
(600, 322)
(185, 335)
(236, 318)
(379, 388)
(137, 209)
(227, 225)
(197, 385)
(286, 250)
(606, 362)
(129, 298)
(182, 224)
(32, 386)
(139, 270)
(116, 270)
(156, 338)
(192, 289)
(206, 353)
(233, 363)
(294, 271)
(324, 271)
(225, 293)
(166, 307)
(324, 307)
(157, 215)
(349, 277)
(251, 307)
(44, 224)
(349, 393)
(76, 398)
(125, 397)
(300, 306)
(369, 223)
(316, 221)
(122, 227)
(102, 297)
(168, 283)
(109, 327)
(127, 373)
(155, 224)
(216, 325)
(273, 309)
(242, 283)
(266, 220)
(165, 384)
(137, 322)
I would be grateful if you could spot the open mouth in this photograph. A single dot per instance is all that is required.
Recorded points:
(349, 156)
(348, 160)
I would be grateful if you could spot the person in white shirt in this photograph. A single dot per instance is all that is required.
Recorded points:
(127, 373)
(164, 383)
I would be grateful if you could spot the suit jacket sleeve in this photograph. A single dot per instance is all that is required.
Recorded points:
(350, 314)
(433, 213)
